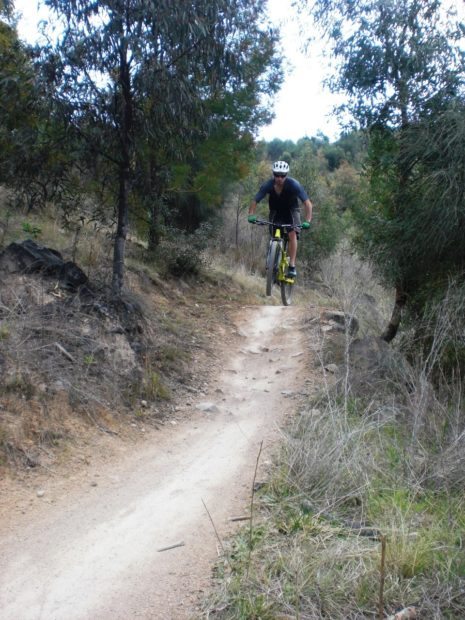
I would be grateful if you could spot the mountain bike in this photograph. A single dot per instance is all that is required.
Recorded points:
(277, 261)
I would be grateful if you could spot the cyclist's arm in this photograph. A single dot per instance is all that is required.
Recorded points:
(262, 192)
(253, 207)
(303, 197)
(308, 207)
(260, 195)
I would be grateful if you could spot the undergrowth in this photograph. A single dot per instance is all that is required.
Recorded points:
(363, 514)
(75, 363)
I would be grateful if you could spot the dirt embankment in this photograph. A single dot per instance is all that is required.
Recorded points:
(73, 362)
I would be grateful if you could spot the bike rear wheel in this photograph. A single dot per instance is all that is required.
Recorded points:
(272, 263)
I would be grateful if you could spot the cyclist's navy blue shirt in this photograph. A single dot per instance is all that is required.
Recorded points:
(287, 199)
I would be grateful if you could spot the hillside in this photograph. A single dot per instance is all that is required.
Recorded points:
(74, 363)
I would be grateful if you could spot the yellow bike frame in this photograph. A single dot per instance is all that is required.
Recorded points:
(284, 261)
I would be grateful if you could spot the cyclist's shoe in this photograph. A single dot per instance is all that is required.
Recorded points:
(291, 272)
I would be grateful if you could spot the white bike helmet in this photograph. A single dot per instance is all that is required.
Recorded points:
(280, 167)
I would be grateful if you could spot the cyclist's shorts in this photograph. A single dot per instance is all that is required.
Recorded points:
(289, 216)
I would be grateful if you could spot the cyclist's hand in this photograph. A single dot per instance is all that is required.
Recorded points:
(305, 225)
(252, 219)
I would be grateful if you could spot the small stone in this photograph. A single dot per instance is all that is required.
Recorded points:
(307, 506)
(40, 493)
(208, 407)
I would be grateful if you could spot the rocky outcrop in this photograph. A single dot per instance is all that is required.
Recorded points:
(29, 257)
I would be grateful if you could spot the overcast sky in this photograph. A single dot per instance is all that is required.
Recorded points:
(302, 107)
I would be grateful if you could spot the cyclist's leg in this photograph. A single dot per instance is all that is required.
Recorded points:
(294, 219)
(292, 247)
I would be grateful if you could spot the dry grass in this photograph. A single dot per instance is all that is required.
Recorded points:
(75, 364)
(356, 466)
(351, 287)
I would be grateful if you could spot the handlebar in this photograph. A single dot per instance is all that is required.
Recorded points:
(266, 223)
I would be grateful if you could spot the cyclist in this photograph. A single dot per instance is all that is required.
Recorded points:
(284, 193)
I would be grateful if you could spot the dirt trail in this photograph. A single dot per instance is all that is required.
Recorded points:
(91, 550)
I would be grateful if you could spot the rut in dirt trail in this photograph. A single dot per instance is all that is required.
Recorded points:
(93, 551)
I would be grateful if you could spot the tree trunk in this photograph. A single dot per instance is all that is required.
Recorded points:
(121, 234)
(154, 227)
(238, 212)
(401, 296)
(126, 126)
(391, 330)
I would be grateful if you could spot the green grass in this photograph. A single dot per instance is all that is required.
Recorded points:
(310, 562)
(153, 387)
(4, 331)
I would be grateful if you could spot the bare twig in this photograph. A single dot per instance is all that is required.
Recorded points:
(64, 351)
(181, 543)
(216, 531)
(101, 428)
(251, 506)
(382, 577)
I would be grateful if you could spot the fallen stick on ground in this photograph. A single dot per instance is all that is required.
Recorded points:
(181, 543)
(64, 351)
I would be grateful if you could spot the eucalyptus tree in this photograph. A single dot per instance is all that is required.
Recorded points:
(133, 78)
(22, 113)
(15, 93)
(6, 8)
(191, 168)
(400, 64)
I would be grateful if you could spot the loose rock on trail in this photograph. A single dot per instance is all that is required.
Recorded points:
(132, 536)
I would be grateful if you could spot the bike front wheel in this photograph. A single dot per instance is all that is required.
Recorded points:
(287, 288)
(286, 293)
(272, 263)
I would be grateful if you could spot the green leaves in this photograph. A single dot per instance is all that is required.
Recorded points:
(401, 65)
(393, 57)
